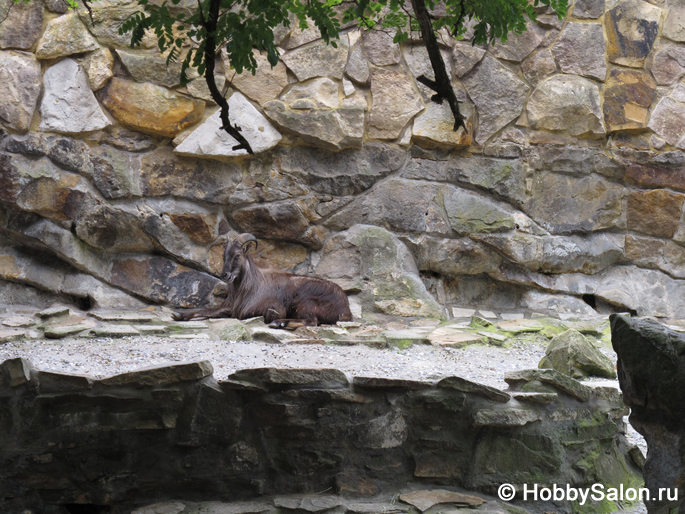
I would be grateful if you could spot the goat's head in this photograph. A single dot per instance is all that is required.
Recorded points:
(234, 256)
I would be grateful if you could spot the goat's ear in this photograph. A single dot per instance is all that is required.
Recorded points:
(248, 244)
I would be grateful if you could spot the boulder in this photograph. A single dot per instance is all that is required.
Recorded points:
(502, 177)
(114, 172)
(499, 96)
(104, 19)
(164, 174)
(348, 172)
(98, 66)
(566, 102)
(144, 66)
(357, 67)
(674, 21)
(435, 125)
(538, 66)
(588, 9)
(20, 87)
(380, 48)
(210, 140)
(564, 204)
(266, 83)
(580, 50)
(668, 65)
(576, 356)
(65, 35)
(21, 25)
(317, 60)
(668, 121)
(650, 363)
(465, 57)
(587, 254)
(394, 102)
(627, 98)
(655, 213)
(333, 129)
(69, 105)
(412, 206)
(631, 29)
(373, 261)
(150, 108)
(519, 46)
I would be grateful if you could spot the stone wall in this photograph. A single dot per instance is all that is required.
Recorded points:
(176, 433)
(566, 193)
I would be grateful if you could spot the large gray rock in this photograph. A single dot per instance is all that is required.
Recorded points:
(462, 256)
(104, 19)
(668, 65)
(674, 21)
(164, 174)
(588, 254)
(20, 86)
(348, 172)
(650, 364)
(210, 140)
(69, 105)
(576, 356)
(580, 50)
(668, 121)
(416, 57)
(413, 206)
(519, 46)
(566, 102)
(372, 260)
(357, 67)
(564, 204)
(144, 66)
(465, 57)
(21, 25)
(394, 102)
(333, 129)
(280, 221)
(65, 35)
(380, 49)
(499, 96)
(114, 172)
(502, 177)
(538, 66)
(317, 60)
(435, 125)
(572, 160)
(324, 92)
(98, 66)
(266, 83)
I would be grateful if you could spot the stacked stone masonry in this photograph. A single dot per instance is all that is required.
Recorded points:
(174, 432)
(566, 194)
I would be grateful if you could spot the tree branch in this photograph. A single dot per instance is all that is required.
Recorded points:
(442, 84)
(210, 25)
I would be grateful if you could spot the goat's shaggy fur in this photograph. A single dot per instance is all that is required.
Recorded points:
(282, 298)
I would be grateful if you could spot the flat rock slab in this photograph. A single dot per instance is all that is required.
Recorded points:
(187, 325)
(504, 417)
(453, 336)
(151, 329)
(133, 317)
(389, 383)
(272, 335)
(549, 376)
(11, 334)
(58, 332)
(519, 326)
(53, 312)
(115, 331)
(297, 377)
(466, 386)
(424, 500)
(404, 338)
(536, 398)
(19, 321)
(162, 375)
(318, 504)
(493, 337)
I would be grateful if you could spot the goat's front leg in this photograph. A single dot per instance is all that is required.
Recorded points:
(219, 312)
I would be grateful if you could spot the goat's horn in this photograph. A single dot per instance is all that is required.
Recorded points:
(244, 239)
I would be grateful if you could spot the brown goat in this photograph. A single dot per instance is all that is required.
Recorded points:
(284, 299)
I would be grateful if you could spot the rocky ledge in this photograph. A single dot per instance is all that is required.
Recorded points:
(175, 432)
